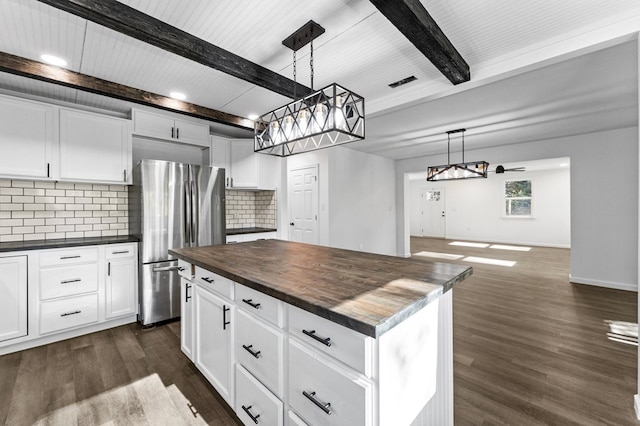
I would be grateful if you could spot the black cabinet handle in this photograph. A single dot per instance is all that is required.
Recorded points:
(256, 354)
(312, 333)
(48, 174)
(180, 268)
(120, 252)
(186, 293)
(254, 418)
(250, 303)
(74, 280)
(225, 323)
(70, 313)
(109, 269)
(177, 133)
(323, 406)
(207, 279)
(172, 130)
(69, 257)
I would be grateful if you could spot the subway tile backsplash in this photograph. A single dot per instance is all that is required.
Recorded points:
(34, 210)
(248, 209)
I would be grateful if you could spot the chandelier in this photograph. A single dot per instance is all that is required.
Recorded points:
(328, 117)
(468, 170)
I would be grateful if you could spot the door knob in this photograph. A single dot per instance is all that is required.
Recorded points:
(292, 224)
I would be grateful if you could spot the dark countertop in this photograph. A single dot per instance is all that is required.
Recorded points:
(254, 230)
(64, 242)
(366, 292)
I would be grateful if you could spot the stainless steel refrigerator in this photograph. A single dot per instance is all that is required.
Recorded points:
(172, 205)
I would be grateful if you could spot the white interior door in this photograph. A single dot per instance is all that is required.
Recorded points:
(303, 204)
(433, 213)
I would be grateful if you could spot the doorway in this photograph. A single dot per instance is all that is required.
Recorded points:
(303, 204)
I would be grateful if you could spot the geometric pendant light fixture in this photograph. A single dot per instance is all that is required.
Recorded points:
(463, 170)
(328, 117)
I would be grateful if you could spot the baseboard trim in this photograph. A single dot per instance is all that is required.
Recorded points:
(607, 284)
(636, 405)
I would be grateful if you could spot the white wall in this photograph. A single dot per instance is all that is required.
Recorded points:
(604, 200)
(474, 209)
(356, 199)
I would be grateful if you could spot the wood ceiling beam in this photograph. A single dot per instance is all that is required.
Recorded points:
(32, 69)
(129, 21)
(413, 20)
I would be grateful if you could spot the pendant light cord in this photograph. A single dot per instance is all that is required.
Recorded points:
(295, 77)
(311, 62)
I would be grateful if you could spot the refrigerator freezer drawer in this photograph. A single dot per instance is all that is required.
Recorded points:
(159, 292)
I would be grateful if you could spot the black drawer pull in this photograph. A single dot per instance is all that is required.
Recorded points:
(324, 407)
(248, 349)
(207, 279)
(326, 341)
(70, 313)
(254, 418)
(75, 280)
(180, 268)
(70, 257)
(186, 293)
(250, 303)
(120, 252)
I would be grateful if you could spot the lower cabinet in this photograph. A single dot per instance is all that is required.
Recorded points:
(214, 357)
(186, 317)
(13, 297)
(121, 284)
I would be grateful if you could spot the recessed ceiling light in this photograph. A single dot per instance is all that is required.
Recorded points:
(54, 60)
(253, 117)
(178, 95)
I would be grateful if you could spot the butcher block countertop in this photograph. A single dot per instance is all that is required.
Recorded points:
(365, 292)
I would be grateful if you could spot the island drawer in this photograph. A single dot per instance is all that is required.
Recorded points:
(260, 304)
(214, 282)
(66, 313)
(71, 256)
(186, 269)
(68, 280)
(348, 346)
(259, 348)
(322, 393)
(254, 403)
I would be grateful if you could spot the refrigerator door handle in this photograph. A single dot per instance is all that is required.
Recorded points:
(187, 213)
(194, 213)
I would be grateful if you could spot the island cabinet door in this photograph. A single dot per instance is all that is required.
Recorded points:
(214, 319)
(187, 326)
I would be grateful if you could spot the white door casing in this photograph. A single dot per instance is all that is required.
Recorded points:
(303, 204)
(433, 213)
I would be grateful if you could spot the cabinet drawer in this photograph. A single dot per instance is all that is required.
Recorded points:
(69, 256)
(348, 346)
(322, 393)
(214, 282)
(254, 403)
(259, 348)
(267, 307)
(60, 314)
(120, 251)
(186, 269)
(68, 280)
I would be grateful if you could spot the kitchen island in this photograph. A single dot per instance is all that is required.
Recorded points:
(318, 335)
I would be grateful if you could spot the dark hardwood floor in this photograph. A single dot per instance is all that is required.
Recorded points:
(530, 348)
(122, 376)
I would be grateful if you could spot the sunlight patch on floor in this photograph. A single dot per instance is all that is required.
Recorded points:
(433, 254)
(468, 244)
(512, 248)
(487, 261)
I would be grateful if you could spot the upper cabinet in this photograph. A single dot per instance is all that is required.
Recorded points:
(164, 127)
(28, 139)
(94, 147)
(245, 169)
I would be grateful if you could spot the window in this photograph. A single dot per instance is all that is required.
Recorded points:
(517, 195)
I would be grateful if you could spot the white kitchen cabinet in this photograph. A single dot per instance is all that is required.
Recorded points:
(254, 403)
(214, 353)
(13, 297)
(94, 148)
(254, 236)
(245, 169)
(121, 284)
(168, 128)
(28, 139)
(186, 317)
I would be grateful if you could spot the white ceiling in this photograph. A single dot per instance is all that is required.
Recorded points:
(539, 69)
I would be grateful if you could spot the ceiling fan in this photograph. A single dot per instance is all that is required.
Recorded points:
(500, 169)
